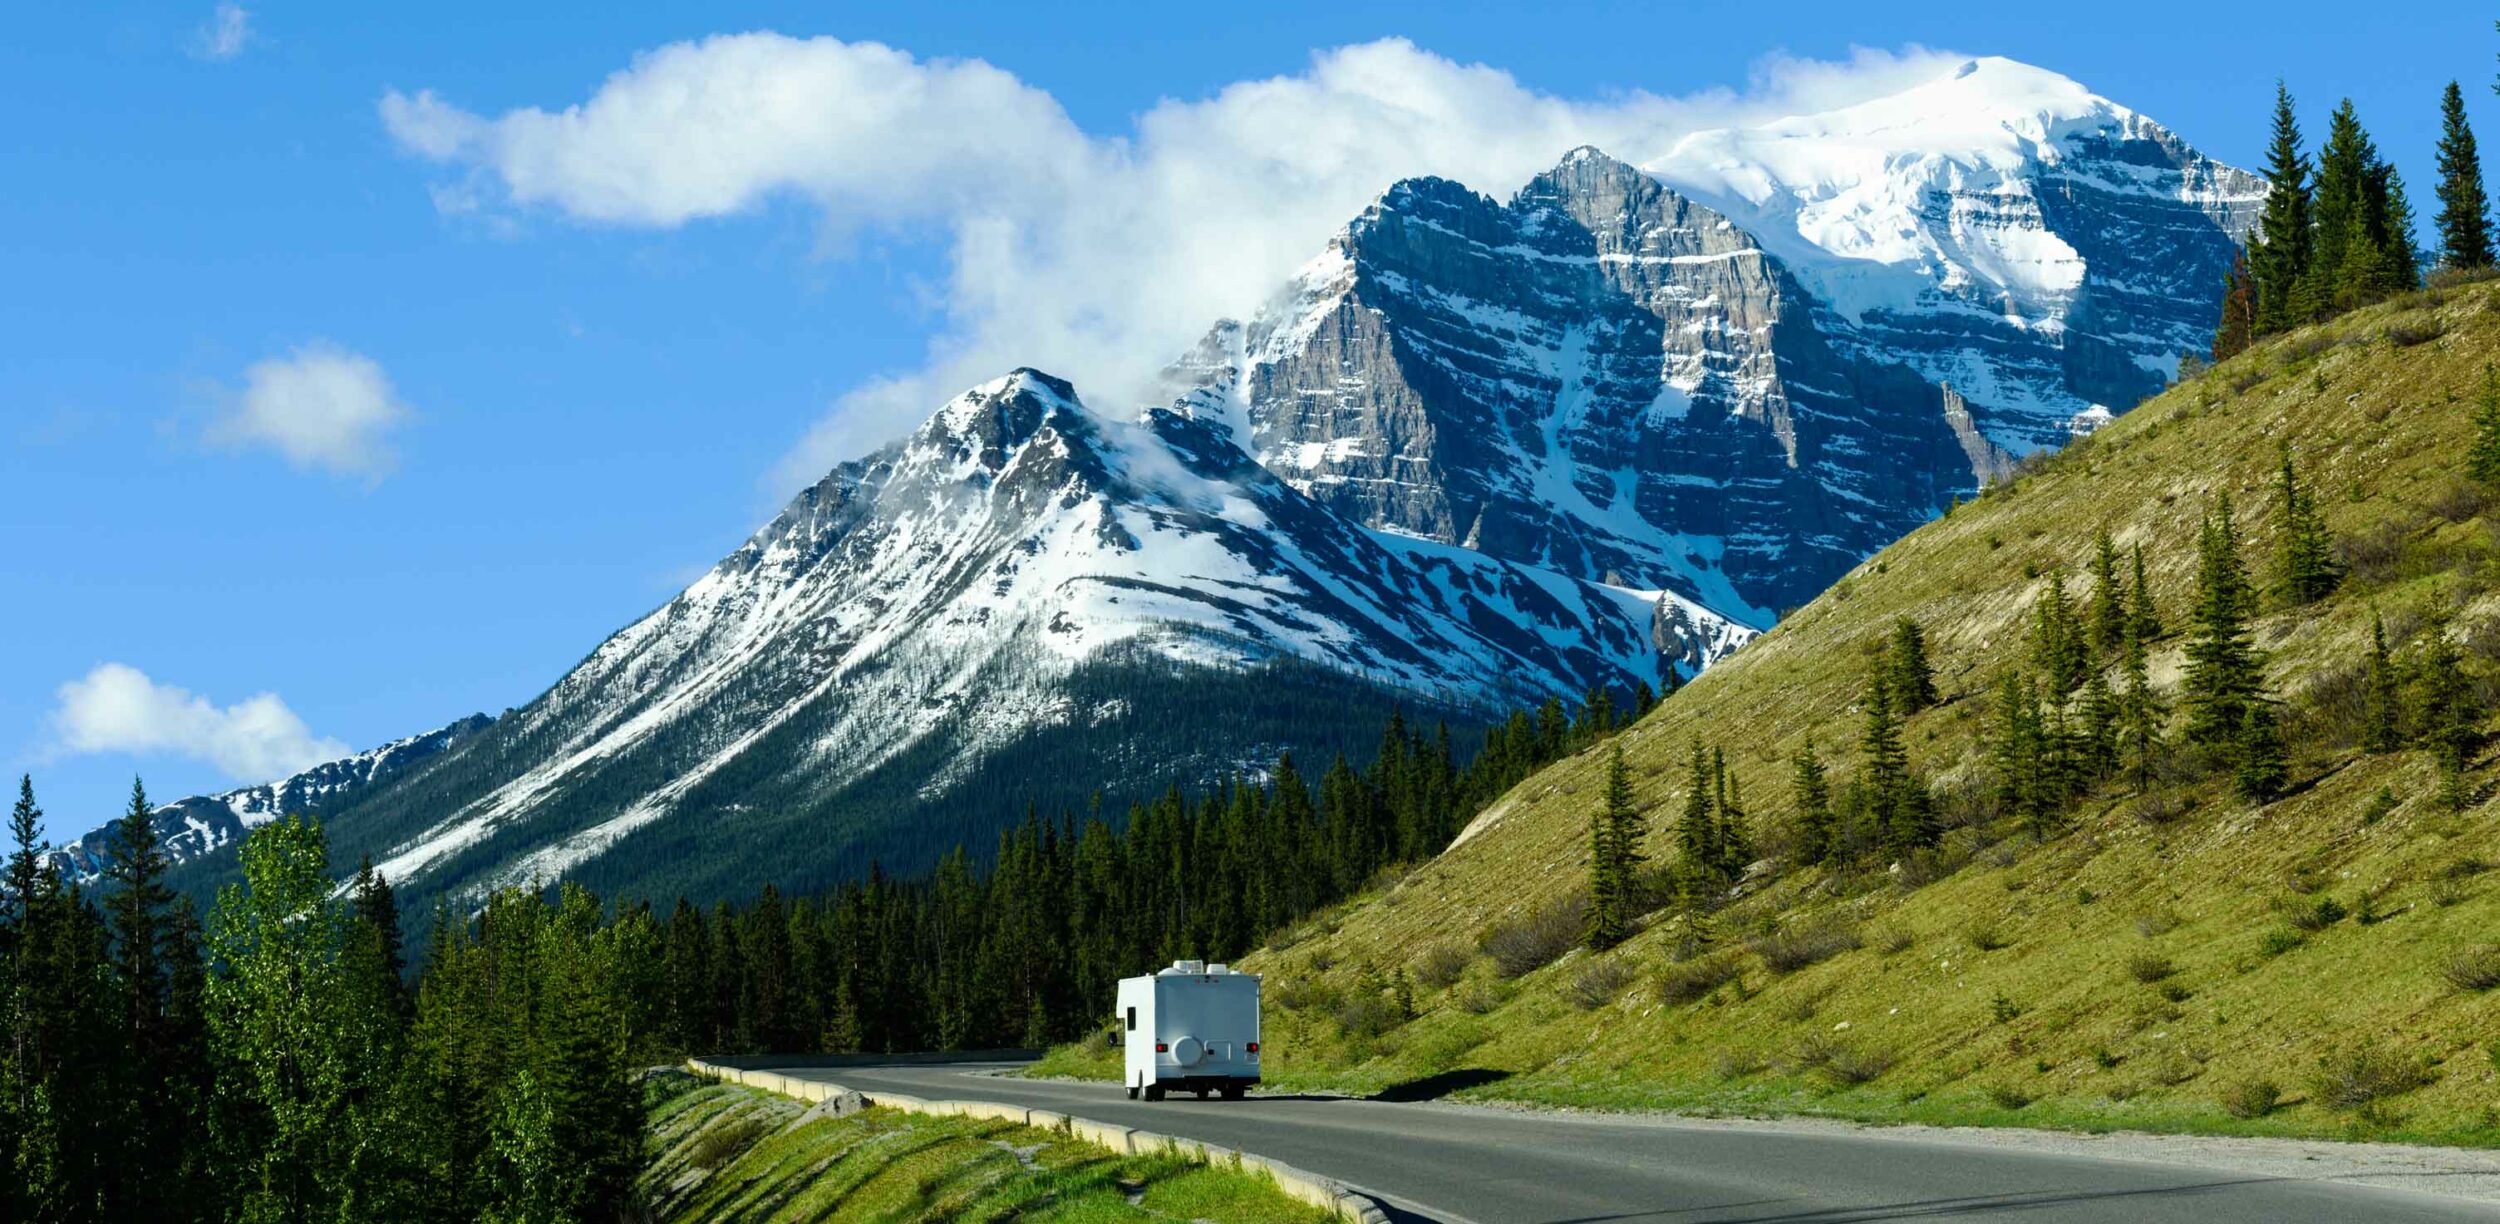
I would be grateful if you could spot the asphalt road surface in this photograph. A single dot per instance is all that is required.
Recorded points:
(1478, 1166)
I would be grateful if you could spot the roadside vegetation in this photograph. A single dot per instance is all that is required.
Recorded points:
(725, 1152)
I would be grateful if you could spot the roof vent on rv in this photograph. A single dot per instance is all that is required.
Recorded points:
(1188, 966)
(1219, 968)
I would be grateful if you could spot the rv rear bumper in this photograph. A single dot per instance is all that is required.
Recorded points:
(1192, 1083)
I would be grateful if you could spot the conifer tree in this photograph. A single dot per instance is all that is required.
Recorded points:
(2142, 619)
(2279, 253)
(1734, 832)
(2058, 646)
(1896, 806)
(2464, 208)
(2482, 458)
(2140, 710)
(1697, 833)
(2109, 597)
(2343, 253)
(2238, 326)
(1614, 851)
(2447, 717)
(2096, 730)
(2307, 568)
(1913, 679)
(2263, 762)
(1818, 831)
(2225, 670)
(2016, 750)
(2383, 701)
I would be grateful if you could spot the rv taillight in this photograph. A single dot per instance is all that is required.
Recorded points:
(1254, 1047)
(1161, 1048)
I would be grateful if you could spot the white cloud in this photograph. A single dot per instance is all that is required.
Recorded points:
(320, 406)
(225, 36)
(117, 708)
(1097, 258)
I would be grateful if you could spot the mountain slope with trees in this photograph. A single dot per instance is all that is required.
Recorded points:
(2147, 790)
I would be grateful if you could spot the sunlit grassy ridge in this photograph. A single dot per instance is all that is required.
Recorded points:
(2142, 969)
(726, 1152)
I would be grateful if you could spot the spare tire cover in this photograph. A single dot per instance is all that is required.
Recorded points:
(1188, 1050)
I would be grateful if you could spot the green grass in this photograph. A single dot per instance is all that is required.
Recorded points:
(2005, 969)
(723, 1152)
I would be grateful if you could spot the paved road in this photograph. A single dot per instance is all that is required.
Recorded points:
(1477, 1166)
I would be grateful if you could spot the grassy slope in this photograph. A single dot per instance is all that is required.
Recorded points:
(731, 1153)
(2379, 425)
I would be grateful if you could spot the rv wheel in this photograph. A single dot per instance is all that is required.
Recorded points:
(1232, 1092)
(1132, 1092)
(1154, 1092)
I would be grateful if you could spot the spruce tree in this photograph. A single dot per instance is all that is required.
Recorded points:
(2142, 619)
(1913, 679)
(2383, 701)
(2307, 568)
(1734, 834)
(1614, 852)
(2447, 717)
(2279, 253)
(2059, 648)
(2464, 208)
(1818, 832)
(2225, 670)
(2482, 458)
(2237, 328)
(2140, 711)
(2263, 762)
(1697, 834)
(2097, 728)
(2109, 596)
(2016, 749)
(2344, 252)
(1896, 807)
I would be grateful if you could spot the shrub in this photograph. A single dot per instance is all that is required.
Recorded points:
(1597, 983)
(2278, 941)
(2148, 968)
(2316, 916)
(2158, 922)
(1985, 936)
(2003, 1010)
(1535, 939)
(1367, 1014)
(1441, 964)
(2008, 1096)
(1844, 1063)
(1895, 940)
(2360, 1076)
(2475, 968)
(2250, 1098)
(1799, 944)
(2176, 992)
(2407, 332)
(1477, 998)
(1695, 979)
(1731, 1064)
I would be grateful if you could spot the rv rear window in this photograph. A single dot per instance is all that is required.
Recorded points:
(1132, 1019)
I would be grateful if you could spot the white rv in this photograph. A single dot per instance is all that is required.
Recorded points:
(1193, 1027)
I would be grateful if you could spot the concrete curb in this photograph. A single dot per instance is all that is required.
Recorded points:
(1326, 1193)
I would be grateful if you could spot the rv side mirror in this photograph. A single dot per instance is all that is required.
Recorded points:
(1132, 1019)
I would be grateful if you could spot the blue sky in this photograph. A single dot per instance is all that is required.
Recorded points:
(562, 402)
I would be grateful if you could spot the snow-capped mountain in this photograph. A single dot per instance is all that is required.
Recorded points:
(1736, 371)
(1477, 453)
(192, 828)
(919, 611)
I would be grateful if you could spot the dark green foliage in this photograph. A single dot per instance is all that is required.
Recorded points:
(1913, 678)
(2447, 717)
(2141, 714)
(2464, 219)
(2238, 327)
(1896, 808)
(2382, 728)
(2060, 650)
(1616, 830)
(1818, 829)
(2307, 568)
(2278, 253)
(2263, 763)
(2482, 461)
(2361, 250)
(2142, 617)
(2109, 597)
(2225, 670)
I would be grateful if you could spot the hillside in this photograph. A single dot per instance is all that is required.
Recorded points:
(726, 1152)
(2163, 955)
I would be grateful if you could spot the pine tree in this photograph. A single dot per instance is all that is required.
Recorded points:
(2308, 570)
(2109, 597)
(2140, 711)
(2482, 459)
(2447, 717)
(2343, 252)
(2238, 326)
(2225, 670)
(2058, 646)
(1615, 834)
(1818, 832)
(1697, 833)
(2279, 254)
(1896, 806)
(2383, 701)
(2142, 619)
(2097, 731)
(2016, 750)
(1913, 679)
(1734, 835)
(2464, 208)
(2264, 763)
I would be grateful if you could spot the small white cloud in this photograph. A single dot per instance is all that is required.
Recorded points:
(225, 36)
(117, 708)
(321, 406)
